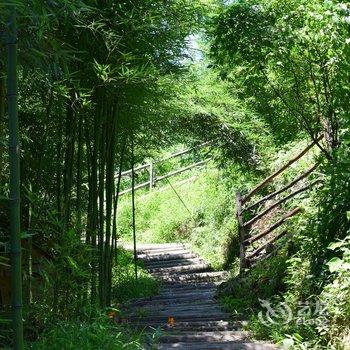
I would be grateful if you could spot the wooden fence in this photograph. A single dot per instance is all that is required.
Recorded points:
(151, 169)
(251, 250)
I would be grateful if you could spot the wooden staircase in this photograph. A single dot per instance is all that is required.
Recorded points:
(186, 309)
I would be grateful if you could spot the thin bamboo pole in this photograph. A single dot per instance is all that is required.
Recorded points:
(14, 152)
(2, 115)
(133, 203)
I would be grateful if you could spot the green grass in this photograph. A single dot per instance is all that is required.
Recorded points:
(125, 286)
(101, 334)
(201, 213)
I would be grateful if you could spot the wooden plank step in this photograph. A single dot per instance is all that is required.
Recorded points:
(178, 311)
(191, 277)
(153, 254)
(173, 304)
(187, 317)
(188, 294)
(171, 300)
(150, 246)
(160, 250)
(189, 290)
(207, 337)
(172, 263)
(231, 345)
(197, 286)
(166, 256)
(193, 326)
(183, 269)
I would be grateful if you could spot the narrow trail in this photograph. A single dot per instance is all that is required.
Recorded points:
(186, 309)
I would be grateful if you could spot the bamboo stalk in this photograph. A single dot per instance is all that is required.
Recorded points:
(14, 153)
(2, 114)
(101, 208)
(109, 201)
(133, 204)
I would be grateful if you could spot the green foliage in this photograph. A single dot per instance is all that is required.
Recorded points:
(101, 333)
(290, 62)
(241, 294)
(125, 286)
(336, 294)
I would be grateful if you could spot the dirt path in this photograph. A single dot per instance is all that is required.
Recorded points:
(186, 309)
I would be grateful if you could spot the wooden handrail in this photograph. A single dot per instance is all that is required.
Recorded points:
(270, 241)
(273, 227)
(276, 204)
(145, 184)
(279, 171)
(153, 180)
(160, 178)
(180, 153)
(288, 186)
(127, 172)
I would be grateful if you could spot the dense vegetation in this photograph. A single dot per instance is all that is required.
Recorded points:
(105, 86)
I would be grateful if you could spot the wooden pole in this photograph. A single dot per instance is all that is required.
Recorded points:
(241, 231)
(14, 153)
(274, 194)
(274, 226)
(276, 204)
(151, 176)
(279, 171)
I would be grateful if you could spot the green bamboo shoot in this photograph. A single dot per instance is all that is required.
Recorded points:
(14, 152)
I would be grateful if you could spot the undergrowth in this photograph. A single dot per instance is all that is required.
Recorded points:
(95, 328)
(101, 333)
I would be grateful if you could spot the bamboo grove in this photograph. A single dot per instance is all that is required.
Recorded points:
(90, 73)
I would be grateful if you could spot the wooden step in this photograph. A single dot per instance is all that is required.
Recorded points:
(166, 257)
(173, 304)
(192, 277)
(230, 345)
(199, 326)
(171, 263)
(185, 317)
(188, 295)
(194, 285)
(150, 246)
(205, 337)
(162, 250)
(183, 269)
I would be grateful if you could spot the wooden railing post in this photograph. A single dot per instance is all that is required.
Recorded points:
(241, 232)
(151, 176)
